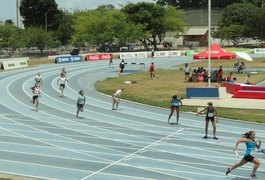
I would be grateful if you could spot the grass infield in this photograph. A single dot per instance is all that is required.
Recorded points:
(158, 92)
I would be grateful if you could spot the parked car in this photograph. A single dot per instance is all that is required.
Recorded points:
(74, 52)
(127, 47)
(108, 48)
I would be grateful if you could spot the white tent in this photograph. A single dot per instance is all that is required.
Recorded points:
(244, 55)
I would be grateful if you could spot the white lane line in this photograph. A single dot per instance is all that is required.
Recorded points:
(199, 123)
(53, 145)
(41, 165)
(60, 147)
(57, 135)
(130, 155)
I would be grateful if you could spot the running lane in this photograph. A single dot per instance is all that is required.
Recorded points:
(134, 142)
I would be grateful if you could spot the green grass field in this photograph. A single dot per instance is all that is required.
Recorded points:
(158, 92)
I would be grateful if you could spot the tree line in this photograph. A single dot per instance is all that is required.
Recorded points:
(195, 4)
(146, 23)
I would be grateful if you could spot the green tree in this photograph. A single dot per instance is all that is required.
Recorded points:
(41, 13)
(10, 38)
(37, 37)
(256, 25)
(104, 25)
(65, 30)
(187, 4)
(236, 22)
(233, 33)
(155, 20)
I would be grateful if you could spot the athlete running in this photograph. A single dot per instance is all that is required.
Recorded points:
(36, 95)
(251, 144)
(63, 79)
(81, 101)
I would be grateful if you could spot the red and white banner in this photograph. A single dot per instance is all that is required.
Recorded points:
(96, 57)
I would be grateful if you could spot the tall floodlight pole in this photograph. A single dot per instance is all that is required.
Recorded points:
(209, 43)
(17, 9)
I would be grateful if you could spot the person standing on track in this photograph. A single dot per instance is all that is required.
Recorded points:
(81, 101)
(36, 95)
(111, 65)
(116, 98)
(211, 114)
(152, 70)
(175, 103)
(187, 72)
(63, 79)
(251, 144)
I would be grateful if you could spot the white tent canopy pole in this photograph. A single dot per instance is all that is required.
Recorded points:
(209, 43)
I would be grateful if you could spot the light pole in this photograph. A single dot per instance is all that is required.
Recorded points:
(46, 22)
(46, 30)
(262, 4)
(209, 43)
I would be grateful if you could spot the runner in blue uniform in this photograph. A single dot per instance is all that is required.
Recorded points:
(81, 101)
(175, 103)
(251, 144)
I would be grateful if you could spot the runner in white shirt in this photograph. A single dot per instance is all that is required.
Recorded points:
(116, 98)
(38, 79)
(36, 95)
(63, 79)
(81, 101)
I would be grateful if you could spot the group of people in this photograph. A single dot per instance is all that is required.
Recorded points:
(36, 91)
(216, 76)
(122, 66)
(249, 138)
(199, 74)
(230, 78)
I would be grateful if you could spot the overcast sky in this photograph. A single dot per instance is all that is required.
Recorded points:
(8, 7)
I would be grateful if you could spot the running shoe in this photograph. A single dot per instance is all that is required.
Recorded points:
(205, 137)
(215, 137)
(253, 176)
(228, 171)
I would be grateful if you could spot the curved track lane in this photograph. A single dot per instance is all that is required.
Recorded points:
(134, 142)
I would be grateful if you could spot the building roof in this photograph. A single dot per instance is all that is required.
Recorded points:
(196, 31)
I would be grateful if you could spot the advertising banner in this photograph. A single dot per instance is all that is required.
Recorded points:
(68, 59)
(96, 57)
(167, 53)
(174, 53)
(259, 51)
(133, 55)
(14, 63)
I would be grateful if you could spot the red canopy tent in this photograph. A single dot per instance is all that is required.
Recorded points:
(216, 53)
